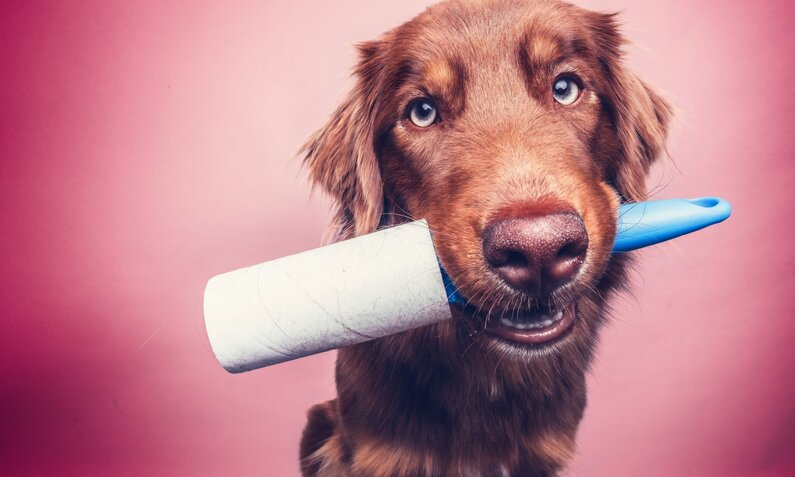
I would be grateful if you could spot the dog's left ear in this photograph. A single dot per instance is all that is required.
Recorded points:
(641, 117)
(341, 156)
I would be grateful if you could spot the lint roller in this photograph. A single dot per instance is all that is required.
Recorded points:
(376, 285)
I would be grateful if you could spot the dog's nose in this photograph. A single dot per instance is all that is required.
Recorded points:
(536, 254)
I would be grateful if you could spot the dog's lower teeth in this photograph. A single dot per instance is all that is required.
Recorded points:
(541, 322)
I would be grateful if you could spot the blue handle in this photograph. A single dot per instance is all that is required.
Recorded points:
(641, 224)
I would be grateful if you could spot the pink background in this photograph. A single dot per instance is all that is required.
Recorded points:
(145, 147)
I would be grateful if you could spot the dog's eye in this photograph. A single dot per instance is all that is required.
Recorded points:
(422, 113)
(565, 90)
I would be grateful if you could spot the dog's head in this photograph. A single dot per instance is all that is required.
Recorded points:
(514, 128)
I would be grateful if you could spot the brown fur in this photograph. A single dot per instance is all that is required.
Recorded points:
(450, 399)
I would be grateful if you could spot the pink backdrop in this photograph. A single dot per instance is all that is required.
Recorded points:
(145, 147)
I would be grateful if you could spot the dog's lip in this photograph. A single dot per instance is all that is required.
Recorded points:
(532, 328)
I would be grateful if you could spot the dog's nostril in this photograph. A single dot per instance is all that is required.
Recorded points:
(572, 250)
(515, 259)
(536, 254)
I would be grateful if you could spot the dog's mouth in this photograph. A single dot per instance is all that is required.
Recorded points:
(537, 327)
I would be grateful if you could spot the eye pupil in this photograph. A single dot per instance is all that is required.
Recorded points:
(565, 91)
(423, 113)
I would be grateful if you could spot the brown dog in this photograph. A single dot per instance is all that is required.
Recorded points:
(513, 127)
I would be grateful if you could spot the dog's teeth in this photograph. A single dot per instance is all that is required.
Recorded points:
(540, 321)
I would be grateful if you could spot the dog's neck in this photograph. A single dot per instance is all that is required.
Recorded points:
(437, 396)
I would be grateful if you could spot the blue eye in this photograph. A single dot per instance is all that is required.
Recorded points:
(423, 113)
(565, 90)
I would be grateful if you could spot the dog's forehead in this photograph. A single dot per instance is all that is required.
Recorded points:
(486, 33)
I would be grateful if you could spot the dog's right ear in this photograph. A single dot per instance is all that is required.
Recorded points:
(341, 156)
(641, 117)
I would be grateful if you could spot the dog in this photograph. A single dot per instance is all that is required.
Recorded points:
(514, 128)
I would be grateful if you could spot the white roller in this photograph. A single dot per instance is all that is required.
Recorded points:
(334, 296)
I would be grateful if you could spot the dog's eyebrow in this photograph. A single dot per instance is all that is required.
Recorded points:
(438, 75)
(445, 78)
(540, 51)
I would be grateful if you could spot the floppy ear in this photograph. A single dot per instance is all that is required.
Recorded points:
(640, 116)
(341, 156)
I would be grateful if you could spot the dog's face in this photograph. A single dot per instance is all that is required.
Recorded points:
(514, 129)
